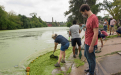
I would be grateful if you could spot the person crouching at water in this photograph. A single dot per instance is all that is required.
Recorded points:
(59, 39)
(103, 34)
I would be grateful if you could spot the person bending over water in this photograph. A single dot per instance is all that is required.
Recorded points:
(59, 39)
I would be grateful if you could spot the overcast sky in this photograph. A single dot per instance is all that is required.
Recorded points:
(46, 9)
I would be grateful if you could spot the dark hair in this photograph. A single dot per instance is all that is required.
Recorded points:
(101, 30)
(84, 7)
(56, 35)
(74, 22)
(117, 26)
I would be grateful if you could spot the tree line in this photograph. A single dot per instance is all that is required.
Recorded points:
(113, 8)
(73, 12)
(9, 21)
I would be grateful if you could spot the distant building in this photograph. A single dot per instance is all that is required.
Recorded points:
(49, 24)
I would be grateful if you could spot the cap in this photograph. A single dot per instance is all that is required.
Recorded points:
(111, 17)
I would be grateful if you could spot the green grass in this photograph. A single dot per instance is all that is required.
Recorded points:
(60, 74)
(43, 65)
(69, 71)
(112, 36)
(100, 26)
(78, 62)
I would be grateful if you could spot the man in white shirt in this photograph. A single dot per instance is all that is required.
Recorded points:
(75, 37)
(112, 23)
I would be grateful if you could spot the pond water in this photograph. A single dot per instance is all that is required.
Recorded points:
(18, 45)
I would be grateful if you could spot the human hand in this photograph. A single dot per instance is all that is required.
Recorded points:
(91, 49)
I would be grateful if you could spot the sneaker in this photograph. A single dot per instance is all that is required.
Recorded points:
(88, 73)
(74, 56)
(57, 65)
(86, 70)
(63, 61)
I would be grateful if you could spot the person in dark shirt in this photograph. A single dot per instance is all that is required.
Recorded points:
(118, 31)
(100, 36)
(59, 39)
(109, 23)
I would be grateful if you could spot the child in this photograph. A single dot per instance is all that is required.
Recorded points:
(59, 39)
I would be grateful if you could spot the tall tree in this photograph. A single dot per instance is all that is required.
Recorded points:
(73, 11)
(114, 9)
(3, 18)
(12, 21)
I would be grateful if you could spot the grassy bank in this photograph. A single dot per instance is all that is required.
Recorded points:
(112, 36)
(43, 65)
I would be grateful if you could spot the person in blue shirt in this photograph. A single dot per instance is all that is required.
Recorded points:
(59, 39)
(82, 26)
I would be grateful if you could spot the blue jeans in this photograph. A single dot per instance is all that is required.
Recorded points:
(63, 48)
(102, 35)
(90, 59)
(105, 28)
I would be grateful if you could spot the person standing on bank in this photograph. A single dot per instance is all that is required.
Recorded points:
(75, 36)
(112, 23)
(59, 39)
(105, 25)
(91, 37)
(109, 23)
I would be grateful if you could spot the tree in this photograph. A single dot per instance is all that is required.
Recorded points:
(12, 21)
(73, 11)
(114, 9)
(69, 24)
(12, 17)
(99, 17)
(3, 18)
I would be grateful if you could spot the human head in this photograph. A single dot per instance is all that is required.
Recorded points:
(101, 30)
(54, 36)
(74, 22)
(105, 19)
(84, 9)
(111, 18)
(80, 24)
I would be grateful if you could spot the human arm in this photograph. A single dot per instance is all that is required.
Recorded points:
(69, 33)
(84, 27)
(79, 31)
(55, 46)
(101, 42)
(107, 22)
(95, 30)
(115, 22)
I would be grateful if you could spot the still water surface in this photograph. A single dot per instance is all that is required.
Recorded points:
(16, 45)
(19, 47)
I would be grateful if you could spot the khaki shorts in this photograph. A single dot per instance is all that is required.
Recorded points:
(112, 28)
